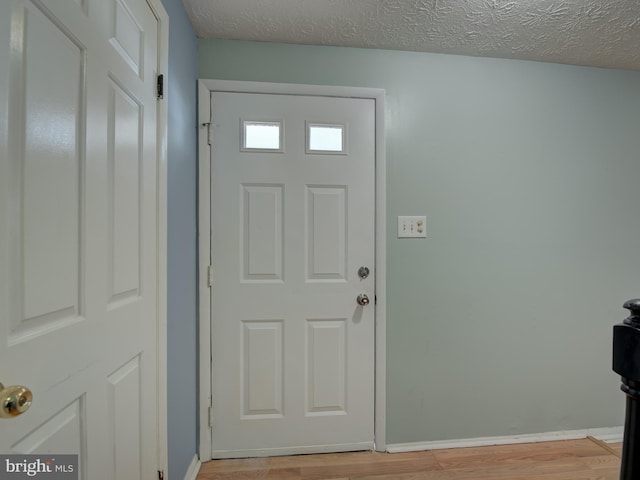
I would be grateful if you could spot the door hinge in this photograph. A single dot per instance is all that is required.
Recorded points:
(211, 416)
(160, 474)
(160, 87)
(210, 276)
(209, 126)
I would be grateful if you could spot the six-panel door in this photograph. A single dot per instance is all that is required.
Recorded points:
(292, 224)
(78, 231)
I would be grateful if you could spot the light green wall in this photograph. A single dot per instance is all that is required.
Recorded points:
(499, 323)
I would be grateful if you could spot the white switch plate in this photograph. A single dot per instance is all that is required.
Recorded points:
(412, 227)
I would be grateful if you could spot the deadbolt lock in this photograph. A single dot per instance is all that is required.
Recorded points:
(363, 272)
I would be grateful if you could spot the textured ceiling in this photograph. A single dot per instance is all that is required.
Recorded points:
(604, 33)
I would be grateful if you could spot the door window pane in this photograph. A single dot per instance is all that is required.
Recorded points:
(262, 136)
(322, 138)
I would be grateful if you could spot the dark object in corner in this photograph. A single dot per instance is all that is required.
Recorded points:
(626, 363)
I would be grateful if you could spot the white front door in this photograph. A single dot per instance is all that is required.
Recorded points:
(78, 231)
(293, 209)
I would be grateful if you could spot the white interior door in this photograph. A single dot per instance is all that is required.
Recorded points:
(78, 238)
(293, 190)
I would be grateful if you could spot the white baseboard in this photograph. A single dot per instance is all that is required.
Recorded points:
(194, 468)
(615, 435)
(609, 435)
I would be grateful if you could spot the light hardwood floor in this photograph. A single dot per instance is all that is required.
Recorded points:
(586, 459)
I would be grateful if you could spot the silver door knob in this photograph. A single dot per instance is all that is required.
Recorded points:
(362, 299)
(14, 400)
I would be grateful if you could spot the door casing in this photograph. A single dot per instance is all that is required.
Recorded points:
(161, 239)
(205, 87)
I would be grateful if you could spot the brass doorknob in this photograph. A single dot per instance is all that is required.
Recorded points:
(14, 400)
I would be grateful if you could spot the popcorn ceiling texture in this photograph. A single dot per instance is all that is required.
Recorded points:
(603, 33)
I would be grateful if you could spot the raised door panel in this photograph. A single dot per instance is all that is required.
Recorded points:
(262, 361)
(46, 161)
(261, 213)
(127, 35)
(326, 233)
(326, 374)
(64, 433)
(124, 157)
(124, 400)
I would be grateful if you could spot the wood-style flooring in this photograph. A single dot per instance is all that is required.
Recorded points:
(585, 459)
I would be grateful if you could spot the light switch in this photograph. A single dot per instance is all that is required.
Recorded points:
(412, 227)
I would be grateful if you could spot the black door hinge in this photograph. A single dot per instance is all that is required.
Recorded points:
(160, 474)
(160, 87)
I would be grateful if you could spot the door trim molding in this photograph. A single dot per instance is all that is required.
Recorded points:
(161, 239)
(205, 87)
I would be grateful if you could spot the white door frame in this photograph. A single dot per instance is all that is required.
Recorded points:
(161, 234)
(205, 87)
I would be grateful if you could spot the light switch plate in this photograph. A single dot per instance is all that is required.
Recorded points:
(412, 227)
